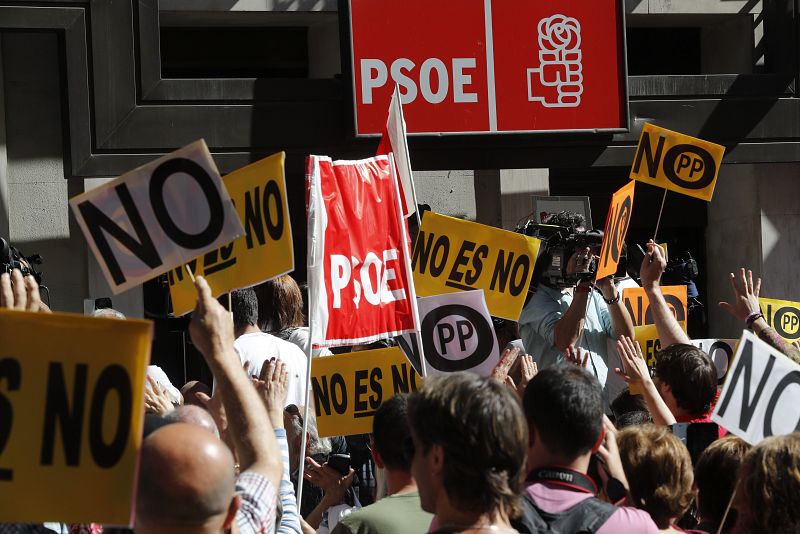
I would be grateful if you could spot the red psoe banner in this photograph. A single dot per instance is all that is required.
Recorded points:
(360, 285)
(483, 66)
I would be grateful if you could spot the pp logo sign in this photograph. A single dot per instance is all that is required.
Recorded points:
(677, 162)
(457, 334)
(783, 316)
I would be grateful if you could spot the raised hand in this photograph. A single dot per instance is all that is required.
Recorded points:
(20, 293)
(507, 359)
(156, 398)
(653, 266)
(577, 356)
(636, 370)
(745, 295)
(273, 386)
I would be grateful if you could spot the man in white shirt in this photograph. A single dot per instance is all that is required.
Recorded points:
(257, 347)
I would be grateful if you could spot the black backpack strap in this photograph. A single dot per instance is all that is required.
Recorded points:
(586, 517)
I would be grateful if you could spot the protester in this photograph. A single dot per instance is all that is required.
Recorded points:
(186, 478)
(564, 409)
(659, 469)
(468, 438)
(256, 347)
(399, 511)
(685, 376)
(193, 415)
(280, 312)
(555, 318)
(768, 488)
(747, 309)
(715, 477)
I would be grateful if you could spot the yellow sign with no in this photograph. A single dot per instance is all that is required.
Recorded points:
(783, 316)
(348, 388)
(454, 255)
(677, 162)
(71, 404)
(259, 193)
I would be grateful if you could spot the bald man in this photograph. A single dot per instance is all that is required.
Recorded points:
(187, 475)
(194, 415)
(186, 482)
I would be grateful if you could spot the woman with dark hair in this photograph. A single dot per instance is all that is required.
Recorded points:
(280, 312)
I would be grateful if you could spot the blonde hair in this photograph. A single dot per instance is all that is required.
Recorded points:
(659, 471)
(769, 486)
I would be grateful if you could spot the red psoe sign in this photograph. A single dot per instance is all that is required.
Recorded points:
(487, 66)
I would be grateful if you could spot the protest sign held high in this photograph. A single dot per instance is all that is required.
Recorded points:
(265, 251)
(360, 282)
(721, 353)
(635, 299)
(454, 255)
(348, 388)
(677, 162)
(761, 394)
(617, 222)
(457, 334)
(71, 400)
(157, 217)
(783, 316)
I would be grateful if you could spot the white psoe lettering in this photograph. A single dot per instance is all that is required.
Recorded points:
(373, 277)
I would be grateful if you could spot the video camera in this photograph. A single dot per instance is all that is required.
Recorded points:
(11, 258)
(559, 243)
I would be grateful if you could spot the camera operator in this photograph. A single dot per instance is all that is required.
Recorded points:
(586, 315)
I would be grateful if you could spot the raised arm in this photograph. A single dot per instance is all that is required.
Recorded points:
(747, 309)
(637, 373)
(211, 330)
(620, 318)
(653, 265)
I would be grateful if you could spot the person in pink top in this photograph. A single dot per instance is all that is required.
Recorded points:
(567, 428)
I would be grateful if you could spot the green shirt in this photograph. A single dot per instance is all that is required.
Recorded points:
(395, 514)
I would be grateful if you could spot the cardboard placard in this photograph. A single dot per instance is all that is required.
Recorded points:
(617, 222)
(721, 352)
(348, 388)
(265, 251)
(783, 316)
(360, 283)
(453, 255)
(761, 393)
(71, 403)
(677, 162)
(157, 217)
(457, 333)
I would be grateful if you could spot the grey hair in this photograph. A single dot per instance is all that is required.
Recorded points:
(316, 444)
(108, 313)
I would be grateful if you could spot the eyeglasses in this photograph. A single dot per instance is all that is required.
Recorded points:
(294, 411)
(408, 448)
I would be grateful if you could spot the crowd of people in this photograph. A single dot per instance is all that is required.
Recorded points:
(554, 441)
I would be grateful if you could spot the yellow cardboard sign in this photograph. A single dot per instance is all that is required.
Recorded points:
(348, 388)
(638, 305)
(71, 405)
(259, 193)
(647, 337)
(617, 222)
(783, 316)
(454, 255)
(677, 162)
